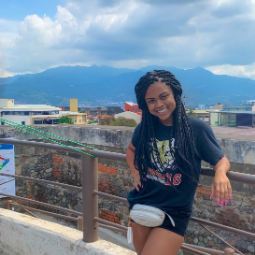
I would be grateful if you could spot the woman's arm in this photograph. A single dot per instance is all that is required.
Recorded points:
(130, 161)
(221, 188)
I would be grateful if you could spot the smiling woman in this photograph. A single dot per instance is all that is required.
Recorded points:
(165, 160)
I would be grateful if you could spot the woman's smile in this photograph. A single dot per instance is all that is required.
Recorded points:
(161, 112)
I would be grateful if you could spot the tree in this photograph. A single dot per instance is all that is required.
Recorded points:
(121, 121)
(190, 112)
(65, 119)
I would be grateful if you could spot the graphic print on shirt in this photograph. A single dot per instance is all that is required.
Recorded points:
(167, 159)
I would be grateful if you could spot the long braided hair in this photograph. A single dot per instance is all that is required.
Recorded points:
(182, 131)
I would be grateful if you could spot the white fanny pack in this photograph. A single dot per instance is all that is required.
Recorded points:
(146, 215)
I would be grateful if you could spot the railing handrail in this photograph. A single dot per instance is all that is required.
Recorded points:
(42, 204)
(43, 181)
(207, 171)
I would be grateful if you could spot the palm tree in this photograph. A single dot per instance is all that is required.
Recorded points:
(190, 112)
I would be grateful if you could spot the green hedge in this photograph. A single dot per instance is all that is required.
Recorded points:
(121, 121)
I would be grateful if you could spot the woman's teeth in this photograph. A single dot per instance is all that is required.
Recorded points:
(162, 111)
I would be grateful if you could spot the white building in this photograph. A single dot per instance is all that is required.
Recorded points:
(201, 107)
(21, 114)
(129, 115)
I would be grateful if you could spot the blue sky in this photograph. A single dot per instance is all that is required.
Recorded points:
(19, 9)
(215, 34)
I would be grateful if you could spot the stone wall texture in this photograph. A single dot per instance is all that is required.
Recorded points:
(114, 178)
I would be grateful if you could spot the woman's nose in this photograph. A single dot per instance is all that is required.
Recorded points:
(159, 104)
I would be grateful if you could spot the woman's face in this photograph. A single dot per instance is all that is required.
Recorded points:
(161, 103)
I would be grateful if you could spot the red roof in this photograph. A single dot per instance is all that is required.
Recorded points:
(131, 107)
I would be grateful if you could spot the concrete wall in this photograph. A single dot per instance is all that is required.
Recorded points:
(24, 235)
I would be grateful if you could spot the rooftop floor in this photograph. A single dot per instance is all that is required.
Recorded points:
(236, 133)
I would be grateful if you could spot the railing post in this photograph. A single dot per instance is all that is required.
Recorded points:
(9, 206)
(229, 251)
(89, 200)
(79, 223)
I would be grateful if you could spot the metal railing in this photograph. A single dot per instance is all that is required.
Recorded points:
(90, 193)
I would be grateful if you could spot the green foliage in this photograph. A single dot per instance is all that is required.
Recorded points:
(92, 121)
(190, 112)
(65, 119)
(121, 121)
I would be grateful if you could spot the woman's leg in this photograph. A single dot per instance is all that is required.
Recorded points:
(140, 235)
(162, 242)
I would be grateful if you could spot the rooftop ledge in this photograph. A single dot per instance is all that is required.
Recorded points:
(21, 234)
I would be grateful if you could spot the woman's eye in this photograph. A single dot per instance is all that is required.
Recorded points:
(163, 97)
(150, 101)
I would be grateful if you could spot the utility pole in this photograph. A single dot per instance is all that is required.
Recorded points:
(184, 97)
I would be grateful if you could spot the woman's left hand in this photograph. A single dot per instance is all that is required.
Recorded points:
(221, 188)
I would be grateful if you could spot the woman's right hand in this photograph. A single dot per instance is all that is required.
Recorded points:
(137, 181)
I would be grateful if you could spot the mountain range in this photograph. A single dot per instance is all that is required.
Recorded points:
(104, 85)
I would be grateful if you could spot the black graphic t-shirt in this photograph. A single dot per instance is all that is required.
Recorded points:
(158, 190)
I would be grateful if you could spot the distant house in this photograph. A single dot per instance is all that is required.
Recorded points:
(131, 107)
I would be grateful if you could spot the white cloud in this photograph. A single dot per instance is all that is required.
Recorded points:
(247, 71)
(46, 31)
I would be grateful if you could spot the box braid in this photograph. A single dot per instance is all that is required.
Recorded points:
(182, 131)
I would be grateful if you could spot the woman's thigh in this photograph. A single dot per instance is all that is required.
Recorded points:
(162, 242)
(140, 235)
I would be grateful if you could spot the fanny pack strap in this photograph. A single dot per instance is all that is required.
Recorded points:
(171, 219)
(129, 232)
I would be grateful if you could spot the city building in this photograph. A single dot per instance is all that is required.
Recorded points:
(218, 106)
(201, 107)
(245, 107)
(232, 118)
(21, 114)
(73, 105)
(248, 106)
(250, 102)
(95, 110)
(200, 114)
(77, 118)
(129, 115)
(36, 114)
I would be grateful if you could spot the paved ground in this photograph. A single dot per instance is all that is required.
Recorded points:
(237, 133)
